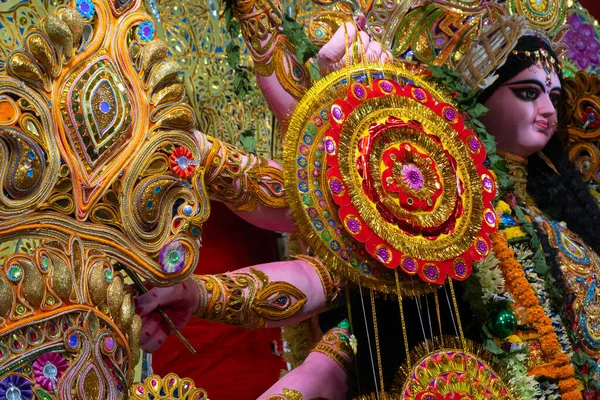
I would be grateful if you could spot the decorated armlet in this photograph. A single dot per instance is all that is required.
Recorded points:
(247, 299)
(290, 394)
(242, 180)
(270, 49)
(330, 282)
(338, 345)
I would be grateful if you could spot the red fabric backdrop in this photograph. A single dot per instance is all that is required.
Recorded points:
(231, 363)
(593, 6)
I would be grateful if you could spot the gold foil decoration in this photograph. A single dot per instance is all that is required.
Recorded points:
(40, 49)
(97, 284)
(165, 71)
(172, 92)
(60, 33)
(154, 51)
(7, 296)
(25, 68)
(74, 21)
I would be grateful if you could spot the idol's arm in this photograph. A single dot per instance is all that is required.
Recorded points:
(323, 375)
(267, 295)
(282, 79)
(249, 185)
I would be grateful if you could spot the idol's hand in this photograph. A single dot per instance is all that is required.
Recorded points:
(179, 302)
(350, 44)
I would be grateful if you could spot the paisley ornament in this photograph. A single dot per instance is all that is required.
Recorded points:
(276, 301)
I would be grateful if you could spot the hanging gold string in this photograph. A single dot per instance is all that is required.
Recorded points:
(376, 329)
(348, 51)
(363, 52)
(349, 309)
(402, 322)
(439, 317)
(460, 330)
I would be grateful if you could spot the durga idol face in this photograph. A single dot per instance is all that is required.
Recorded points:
(522, 111)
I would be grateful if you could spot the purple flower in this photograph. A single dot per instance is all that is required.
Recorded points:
(15, 387)
(172, 257)
(412, 176)
(583, 45)
(48, 368)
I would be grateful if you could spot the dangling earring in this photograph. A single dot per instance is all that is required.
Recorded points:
(548, 162)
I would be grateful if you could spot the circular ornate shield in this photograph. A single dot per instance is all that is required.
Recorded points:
(382, 173)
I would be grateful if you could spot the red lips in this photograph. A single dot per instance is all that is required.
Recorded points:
(542, 124)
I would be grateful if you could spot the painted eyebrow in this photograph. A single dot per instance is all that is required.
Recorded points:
(529, 81)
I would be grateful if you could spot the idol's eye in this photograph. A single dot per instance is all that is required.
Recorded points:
(555, 98)
(526, 93)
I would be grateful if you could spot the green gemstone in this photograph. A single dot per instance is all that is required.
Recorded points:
(45, 263)
(173, 256)
(15, 273)
(344, 324)
(108, 275)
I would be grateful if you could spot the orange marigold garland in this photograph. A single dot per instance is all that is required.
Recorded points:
(525, 298)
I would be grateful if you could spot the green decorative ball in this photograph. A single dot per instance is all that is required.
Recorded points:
(502, 323)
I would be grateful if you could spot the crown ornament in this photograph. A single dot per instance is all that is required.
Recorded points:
(490, 50)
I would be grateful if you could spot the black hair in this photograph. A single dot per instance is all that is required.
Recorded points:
(516, 63)
(563, 196)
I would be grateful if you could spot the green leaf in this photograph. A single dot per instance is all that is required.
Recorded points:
(478, 110)
(241, 83)
(315, 73)
(228, 14)
(233, 55)
(234, 30)
(248, 140)
(492, 347)
(305, 49)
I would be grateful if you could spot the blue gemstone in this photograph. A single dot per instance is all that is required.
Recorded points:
(195, 231)
(149, 205)
(84, 6)
(183, 162)
(30, 173)
(73, 340)
(157, 190)
(187, 210)
(104, 107)
(147, 31)
(31, 155)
